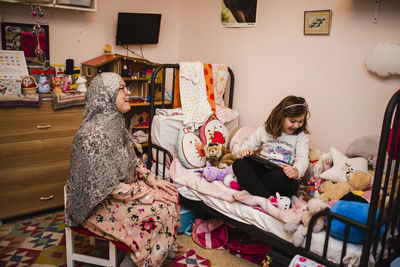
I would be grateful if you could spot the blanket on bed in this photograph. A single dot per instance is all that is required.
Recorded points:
(217, 189)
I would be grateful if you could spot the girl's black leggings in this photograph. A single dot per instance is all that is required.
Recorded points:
(259, 180)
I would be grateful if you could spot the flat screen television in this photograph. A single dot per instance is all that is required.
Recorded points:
(138, 28)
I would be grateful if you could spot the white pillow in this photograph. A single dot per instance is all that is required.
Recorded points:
(343, 165)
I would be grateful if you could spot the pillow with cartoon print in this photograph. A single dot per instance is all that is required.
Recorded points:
(213, 131)
(190, 149)
(342, 166)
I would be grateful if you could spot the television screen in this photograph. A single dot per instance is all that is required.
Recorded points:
(138, 28)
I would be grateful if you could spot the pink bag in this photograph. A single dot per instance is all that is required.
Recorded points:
(243, 246)
(211, 234)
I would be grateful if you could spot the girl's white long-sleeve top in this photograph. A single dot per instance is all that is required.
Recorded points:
(286, 149)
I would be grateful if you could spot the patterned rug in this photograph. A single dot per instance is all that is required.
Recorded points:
(40, 241)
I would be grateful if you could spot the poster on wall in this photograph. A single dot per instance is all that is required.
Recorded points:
(238, 13)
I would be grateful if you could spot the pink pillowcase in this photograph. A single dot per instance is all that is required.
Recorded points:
(225, 114)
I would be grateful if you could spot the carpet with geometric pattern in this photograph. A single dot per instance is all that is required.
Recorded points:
(40, 241)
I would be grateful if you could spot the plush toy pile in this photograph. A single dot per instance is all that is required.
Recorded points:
(299, 226)
(356, 181)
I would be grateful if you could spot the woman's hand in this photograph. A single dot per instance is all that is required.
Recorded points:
(290, 171)
(166, 186)
(162, 196)
(246, 152)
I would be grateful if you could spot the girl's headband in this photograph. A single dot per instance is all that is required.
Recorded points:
(295, 105)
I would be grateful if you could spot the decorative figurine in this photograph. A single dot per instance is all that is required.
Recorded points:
(57, 83)
(108, 49)
(81, 82)
(66, 83)
(44, 86)
(28, 85)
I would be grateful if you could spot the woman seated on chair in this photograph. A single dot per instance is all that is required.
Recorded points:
(111, 192)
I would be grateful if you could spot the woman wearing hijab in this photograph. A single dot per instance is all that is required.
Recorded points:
(111, 192)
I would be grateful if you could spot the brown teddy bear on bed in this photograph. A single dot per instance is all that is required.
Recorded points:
(219, 156)
(357, 181)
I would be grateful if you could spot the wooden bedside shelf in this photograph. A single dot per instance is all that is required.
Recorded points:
(135, 79)
(157, 103)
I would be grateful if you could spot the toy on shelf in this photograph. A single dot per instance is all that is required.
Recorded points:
(108, 49)
(66, 84)
(141, 119)
(29, 85)
(57, 85)
(44, 86)
(81, 82)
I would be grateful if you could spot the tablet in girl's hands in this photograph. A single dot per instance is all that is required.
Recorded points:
(264, 161)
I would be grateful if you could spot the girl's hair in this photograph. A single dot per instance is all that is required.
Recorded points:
(289, 107)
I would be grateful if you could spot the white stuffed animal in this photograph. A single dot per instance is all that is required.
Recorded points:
(231, 182)
(81, 82)
(283, 202)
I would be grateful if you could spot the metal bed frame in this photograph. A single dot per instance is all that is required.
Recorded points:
(282, 251)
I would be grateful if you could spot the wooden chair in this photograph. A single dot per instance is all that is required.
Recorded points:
(73, 256)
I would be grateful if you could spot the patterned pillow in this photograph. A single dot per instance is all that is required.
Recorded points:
(342, 166)
(190, 149)
(213, 131)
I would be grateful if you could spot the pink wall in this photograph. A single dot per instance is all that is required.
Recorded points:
(270, 61)
(83, 35)
(274, 59)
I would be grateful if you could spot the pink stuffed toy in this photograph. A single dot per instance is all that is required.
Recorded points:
(226, 175)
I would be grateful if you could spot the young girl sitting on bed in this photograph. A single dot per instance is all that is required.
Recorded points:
(283, 140)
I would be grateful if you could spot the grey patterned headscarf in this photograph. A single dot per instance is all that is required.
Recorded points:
(101, 154)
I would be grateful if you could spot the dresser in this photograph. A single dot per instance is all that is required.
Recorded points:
(35, 146)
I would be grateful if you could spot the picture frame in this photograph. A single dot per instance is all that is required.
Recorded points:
(317, 22)
(235, 15)
(21, 37)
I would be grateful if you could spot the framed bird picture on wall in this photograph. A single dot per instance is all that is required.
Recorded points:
(317, 22)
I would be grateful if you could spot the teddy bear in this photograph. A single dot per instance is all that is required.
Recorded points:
(219, 156)
(356, 181)
(389, 190)
(226, 175)
(299, 226)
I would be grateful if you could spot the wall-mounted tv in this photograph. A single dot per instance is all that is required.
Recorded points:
(138, 28)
